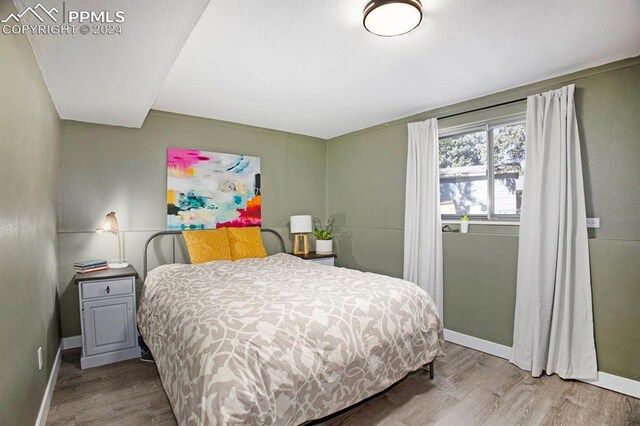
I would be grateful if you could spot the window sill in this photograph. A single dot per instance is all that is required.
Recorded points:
(483, 222)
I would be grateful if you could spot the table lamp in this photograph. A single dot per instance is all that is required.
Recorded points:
(301, 226)
(110, 224)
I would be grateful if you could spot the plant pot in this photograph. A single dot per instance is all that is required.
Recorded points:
(464, 227)
(324, 246)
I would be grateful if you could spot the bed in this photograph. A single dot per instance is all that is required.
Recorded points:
(280, 340)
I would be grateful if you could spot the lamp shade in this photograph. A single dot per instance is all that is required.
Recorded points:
(109, 224)
(390, 18)
(301, 224)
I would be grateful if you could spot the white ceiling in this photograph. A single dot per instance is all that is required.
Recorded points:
(112, 79)
(309, 66)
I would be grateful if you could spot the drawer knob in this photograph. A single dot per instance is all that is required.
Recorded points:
(108, 289)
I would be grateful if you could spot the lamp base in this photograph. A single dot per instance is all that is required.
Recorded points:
(118, 265)
(301, 244)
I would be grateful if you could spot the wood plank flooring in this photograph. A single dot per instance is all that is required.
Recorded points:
(470, 388)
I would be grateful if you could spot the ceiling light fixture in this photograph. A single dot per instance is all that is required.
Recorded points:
(389, 18)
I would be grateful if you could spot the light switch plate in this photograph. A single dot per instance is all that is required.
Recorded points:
(593, 222)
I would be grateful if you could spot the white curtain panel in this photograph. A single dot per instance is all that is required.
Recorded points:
(553, 330)
(422, 226)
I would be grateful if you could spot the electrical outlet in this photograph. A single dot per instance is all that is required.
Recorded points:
(593, 222)
(40, 358)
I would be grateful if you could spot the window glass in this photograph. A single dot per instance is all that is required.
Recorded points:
(466, 187)
(463, 174)
(508, 166)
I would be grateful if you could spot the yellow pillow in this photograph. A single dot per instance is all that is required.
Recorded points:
(246, 242)
(207, 245)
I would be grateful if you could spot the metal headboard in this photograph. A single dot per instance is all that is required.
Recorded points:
(173, 246)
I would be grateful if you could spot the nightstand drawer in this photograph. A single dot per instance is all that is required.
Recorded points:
(328, 261)
(93, 289)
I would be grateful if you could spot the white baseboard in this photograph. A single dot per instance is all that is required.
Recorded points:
(485, 346)
(71, 342)
(48, 392)
(605, 380)
(617, 384)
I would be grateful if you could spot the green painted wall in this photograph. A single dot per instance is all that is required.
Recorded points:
(114, 168)
(29, 160)
(359, 179)
(365, 190)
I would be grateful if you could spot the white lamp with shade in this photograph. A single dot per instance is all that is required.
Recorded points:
(110, 224)
(301, 226)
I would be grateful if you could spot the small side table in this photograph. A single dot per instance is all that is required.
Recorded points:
(108, 316)
(323, 259)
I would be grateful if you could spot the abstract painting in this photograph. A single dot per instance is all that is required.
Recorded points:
(209, 190)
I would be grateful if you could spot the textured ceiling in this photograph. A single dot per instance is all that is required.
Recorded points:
(112, 79)
(309, 66)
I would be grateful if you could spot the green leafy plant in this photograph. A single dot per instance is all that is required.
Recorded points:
(464, 218)
(323, 232)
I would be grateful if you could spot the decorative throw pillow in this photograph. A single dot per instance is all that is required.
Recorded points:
(207, 245)
(246, 242)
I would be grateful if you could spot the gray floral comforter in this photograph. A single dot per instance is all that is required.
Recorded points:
(281, 340)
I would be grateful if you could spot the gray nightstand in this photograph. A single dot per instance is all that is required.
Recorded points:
(324, 259)
(108, 316)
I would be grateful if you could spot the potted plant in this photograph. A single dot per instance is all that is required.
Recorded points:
(464, 224)
(324, 236)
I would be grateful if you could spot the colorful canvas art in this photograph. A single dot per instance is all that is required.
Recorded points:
(208, 190)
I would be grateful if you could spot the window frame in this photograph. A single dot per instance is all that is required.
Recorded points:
(486, 126)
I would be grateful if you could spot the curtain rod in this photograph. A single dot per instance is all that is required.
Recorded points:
(483, 108)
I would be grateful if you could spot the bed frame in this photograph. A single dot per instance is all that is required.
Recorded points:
(173, 260)
(173, 245)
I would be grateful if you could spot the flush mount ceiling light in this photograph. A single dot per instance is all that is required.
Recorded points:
(390, 18)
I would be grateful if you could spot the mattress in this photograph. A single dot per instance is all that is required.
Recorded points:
(281, 340)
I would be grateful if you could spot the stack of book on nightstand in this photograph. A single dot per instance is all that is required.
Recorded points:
(90, 266)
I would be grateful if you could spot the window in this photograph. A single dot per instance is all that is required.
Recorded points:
(482, 170)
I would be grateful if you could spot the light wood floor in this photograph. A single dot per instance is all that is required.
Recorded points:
(470, 388)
